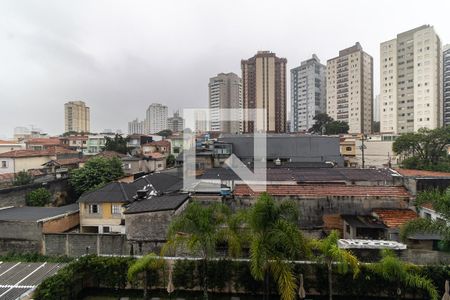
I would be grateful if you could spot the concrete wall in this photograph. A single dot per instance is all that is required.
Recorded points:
(313, 209)
(20, 237)
(148, 226)
(15, 196)
(77, 244)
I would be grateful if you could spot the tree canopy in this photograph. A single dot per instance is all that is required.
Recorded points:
(117, 144)
(275, 240)
(22, 178)
(165, 133)
(96, 172)
(38, 197)
(324, 124)
(425, 149)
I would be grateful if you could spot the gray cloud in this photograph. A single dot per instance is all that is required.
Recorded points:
(120, 56)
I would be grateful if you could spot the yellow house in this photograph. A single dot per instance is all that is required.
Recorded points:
(101, 211)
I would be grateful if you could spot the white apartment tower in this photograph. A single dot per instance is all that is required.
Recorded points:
(225, 92)
(77, 117)
(308, 87)
(156, 118)
(410, 81)
(446, 84)
(136, 127)
(350, 89)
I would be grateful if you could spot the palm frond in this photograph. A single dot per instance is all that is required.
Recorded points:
(286, 281)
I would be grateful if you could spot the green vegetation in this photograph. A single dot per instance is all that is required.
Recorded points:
(33, 257)
(22, 178)
(144, 266)
(275, 241)
(394, 270)
(334, 257)
(117, 144)
(199, 229)
(38, 197)
(424, 150)
(326, 125)
(165, 133)
(440, 200)
(97, 172)
(110, 272)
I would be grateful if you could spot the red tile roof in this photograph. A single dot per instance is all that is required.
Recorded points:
(428, 205)
(44, 141)
(35, 153)
(318, 190)
(395, 218)
(421, 173)
(3, 142)
(158, 143)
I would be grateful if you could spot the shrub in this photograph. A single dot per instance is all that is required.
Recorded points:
(38, 197)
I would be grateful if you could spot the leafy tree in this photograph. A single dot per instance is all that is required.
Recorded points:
(324, 124)
(394, 270)
(117, 144)
(165, 133)
(425, 149)
(22, 178)
(331, 254)
(170, 161)
(142, 266)
(440, 200)
(96, 172)
(275, 239)
(38, 197)
(199, 229)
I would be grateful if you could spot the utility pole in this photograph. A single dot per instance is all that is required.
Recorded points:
(362, 147)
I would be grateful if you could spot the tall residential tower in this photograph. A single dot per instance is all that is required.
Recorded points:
(350, 89)
(155, 118)
(264, 87)
(410, 81)
(446, 84)
(225, 92)
(308, 86)
(77, 117)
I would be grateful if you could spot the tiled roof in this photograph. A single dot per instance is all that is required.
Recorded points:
(319, 190)
(43, 141)
(308, 174)
(3, 142)
(157, 203)
(33, 153)
(428, 205)
(7, 177)
(110, 154)
(421, 173)
(158, 143)
(33, 214)
(395, 218)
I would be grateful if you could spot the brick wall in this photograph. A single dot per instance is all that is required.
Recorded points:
(61, 224)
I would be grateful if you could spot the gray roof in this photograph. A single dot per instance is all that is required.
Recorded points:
(34, 214)
(308, 174)
(363, 221)
(157, 203)
(120, 192)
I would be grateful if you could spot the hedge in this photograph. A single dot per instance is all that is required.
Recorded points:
(223, 276)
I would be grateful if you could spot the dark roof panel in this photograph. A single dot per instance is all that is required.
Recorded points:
(157, 203)
(33, 214)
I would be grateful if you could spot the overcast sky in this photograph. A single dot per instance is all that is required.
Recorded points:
(121, 56)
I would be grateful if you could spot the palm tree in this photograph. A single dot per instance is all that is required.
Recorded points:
(143, 265)
(331, 254)
(394, 270)
(275, 241)
(199, 229)
(440, 200)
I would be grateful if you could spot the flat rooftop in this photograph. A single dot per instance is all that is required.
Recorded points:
(34, 214)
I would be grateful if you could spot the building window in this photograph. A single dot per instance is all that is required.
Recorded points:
(94, 209)
(348, 148)
(106, 229)
(4, 164)
(116, 209)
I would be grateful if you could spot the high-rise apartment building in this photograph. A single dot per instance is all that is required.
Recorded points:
(264, 87)
(225, 103)
(446, 84)
(175, 123)
(410, 81)
(350, 89)
(136, 127)
(76, 117)
(155, 118)
(376, 108)
(308, 87)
